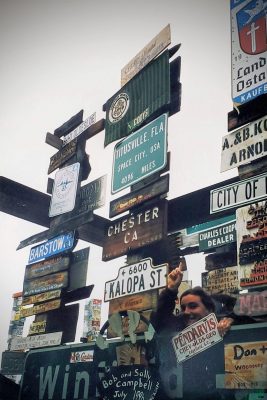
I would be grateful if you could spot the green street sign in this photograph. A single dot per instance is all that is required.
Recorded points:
(140, 154)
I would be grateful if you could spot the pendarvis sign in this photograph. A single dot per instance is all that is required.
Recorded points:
(141, 154)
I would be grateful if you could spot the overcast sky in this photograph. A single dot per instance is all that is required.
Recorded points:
(61, 56)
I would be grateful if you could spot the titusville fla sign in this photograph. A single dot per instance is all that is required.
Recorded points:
(136, 230)
(239, 193)
(140, 154)
(52, 247)
(136, 278)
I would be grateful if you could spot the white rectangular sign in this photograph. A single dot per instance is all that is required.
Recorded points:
(244, 145)
(136, 278)
(64, 190)
(239, 193)
(150, 51)
(196, 338)
(249, 49)
(80, 129)
(31, 342)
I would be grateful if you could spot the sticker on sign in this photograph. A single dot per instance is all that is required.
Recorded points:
(136, 278)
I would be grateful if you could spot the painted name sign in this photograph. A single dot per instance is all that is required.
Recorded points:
(252, 303)
(243, 192)
(31, 342)
(80, 129)
(136, 278)
(134, 231)
(140, 154)
(52, 247)
(244, 145)
(196, 338)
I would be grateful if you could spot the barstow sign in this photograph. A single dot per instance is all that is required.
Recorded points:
(136, 278)
(52, 247)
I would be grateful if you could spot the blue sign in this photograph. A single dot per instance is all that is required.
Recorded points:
(140, 154)
(52, 247)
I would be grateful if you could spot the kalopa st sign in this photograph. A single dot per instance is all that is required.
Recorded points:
(139, 229)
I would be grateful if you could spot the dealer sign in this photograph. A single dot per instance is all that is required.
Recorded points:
(136, 278)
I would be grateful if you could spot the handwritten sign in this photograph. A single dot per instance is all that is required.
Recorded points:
(133, 382)
(246, 365)
(150, 51)
(31, 342)
(196, 338)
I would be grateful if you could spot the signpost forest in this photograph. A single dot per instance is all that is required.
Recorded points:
(55, 275)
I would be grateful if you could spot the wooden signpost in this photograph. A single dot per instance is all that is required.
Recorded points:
(141, 228)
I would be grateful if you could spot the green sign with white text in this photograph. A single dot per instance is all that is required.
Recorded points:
(140, 154)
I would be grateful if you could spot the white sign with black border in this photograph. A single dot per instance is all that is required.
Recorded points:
(136, 278)
(64, 190)
(239, 193)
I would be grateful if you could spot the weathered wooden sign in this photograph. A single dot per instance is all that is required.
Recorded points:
(236, 194)
(252, 244)
(12, 362)
(52, 247)
(136, 302)
(141, 154)
(78, 269)
(244, 145)
(150, 51)
(41, 308)
(221, 280)
(47, 267)
(136, 230)
(196, 338)
(79, 129)
(218, 236)
(251, 303)
(46, 283)
(138, 197)
(249, 49)
(246, 365)
(31, 342)
(39, 298)
(125, 111)
(93, 195)
(64, 190)
(62, 156)
(36, 328)
(136, 278)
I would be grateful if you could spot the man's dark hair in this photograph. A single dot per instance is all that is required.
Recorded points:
(205, 297)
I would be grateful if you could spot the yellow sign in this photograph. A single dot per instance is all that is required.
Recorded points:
(246, 365)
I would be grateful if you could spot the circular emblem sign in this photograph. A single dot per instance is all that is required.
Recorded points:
(119, 107)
